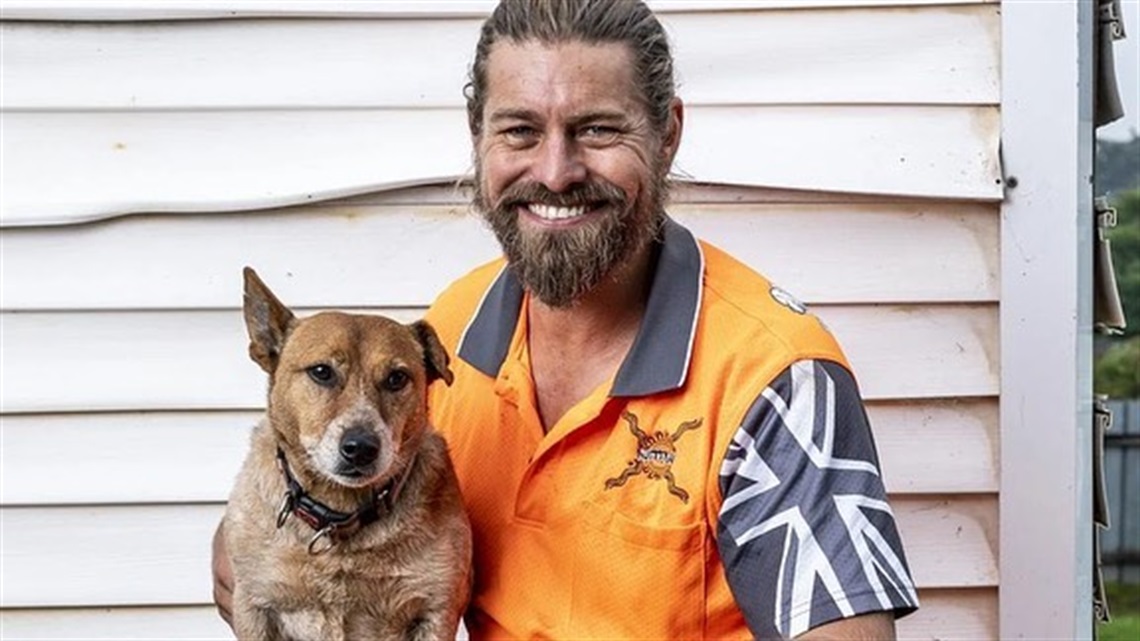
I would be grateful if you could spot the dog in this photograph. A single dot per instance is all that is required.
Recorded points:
(345, 521)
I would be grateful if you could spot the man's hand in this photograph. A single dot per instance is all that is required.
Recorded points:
(223, 577)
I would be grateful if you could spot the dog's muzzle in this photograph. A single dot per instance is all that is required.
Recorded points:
(359, 449)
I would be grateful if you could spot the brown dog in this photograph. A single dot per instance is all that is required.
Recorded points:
(346, 521)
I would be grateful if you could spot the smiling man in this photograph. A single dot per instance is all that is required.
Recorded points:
(652, 440)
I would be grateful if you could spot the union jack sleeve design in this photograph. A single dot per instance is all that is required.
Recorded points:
(805, 532)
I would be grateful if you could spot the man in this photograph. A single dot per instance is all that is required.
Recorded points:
(651, 439)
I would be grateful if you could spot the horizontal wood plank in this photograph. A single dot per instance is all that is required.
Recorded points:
(682, 192)
(405, 254)
(194, 456)
(110, 361)
(110, 10)
(945, 615)
(756, 57)
(159, 554)
(72, 167)
(947, 446)
(171, 623)
(952, 615)
(950, 541)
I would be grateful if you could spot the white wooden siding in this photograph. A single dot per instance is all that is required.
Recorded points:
(223, 115)
(870, 124)
(111, 361)
(160, 554)
(906, 252)
(193, 456)
(70, 10)
(956, 614)
(285, 64)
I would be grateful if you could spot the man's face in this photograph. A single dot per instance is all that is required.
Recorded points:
(569, 172)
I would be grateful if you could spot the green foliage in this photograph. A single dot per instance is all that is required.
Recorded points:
(1117, 166)
(1117, 369)
(1125, 240)
(1124, 606)
(1122, 628)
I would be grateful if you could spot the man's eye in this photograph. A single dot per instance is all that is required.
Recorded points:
(322, 374)
(396, 380)
(520, 133)
(598, 134)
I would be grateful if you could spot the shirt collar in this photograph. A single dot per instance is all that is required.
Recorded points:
(657, 362)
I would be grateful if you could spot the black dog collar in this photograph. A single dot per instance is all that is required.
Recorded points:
(330, 525)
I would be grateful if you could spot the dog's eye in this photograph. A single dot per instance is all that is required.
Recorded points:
(396, 380)
(322, 374)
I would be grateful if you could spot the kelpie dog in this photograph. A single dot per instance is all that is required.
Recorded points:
(346, 521)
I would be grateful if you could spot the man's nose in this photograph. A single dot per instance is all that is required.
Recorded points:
(559, 164)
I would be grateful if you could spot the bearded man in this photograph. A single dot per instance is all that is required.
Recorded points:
(652, 441)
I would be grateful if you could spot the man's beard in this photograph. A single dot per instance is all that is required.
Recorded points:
(558, 266)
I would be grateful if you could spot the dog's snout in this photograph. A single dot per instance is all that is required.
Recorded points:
(359, 447)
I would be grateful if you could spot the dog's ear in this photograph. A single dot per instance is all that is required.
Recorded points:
(435, 356)
(266, 319)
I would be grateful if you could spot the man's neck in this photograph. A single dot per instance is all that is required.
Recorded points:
(610, 309)
(574, 349)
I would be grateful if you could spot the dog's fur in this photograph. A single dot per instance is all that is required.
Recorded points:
(405, 576)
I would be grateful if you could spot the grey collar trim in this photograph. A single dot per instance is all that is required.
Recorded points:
(659, 358)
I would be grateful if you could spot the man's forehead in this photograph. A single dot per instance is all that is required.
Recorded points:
(534, 69)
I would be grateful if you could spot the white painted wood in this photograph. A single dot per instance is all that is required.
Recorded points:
(109, 555)
(1046, 321)
(757, 57)
(952, 615)
(113, 361)
(138, 313)
(950, 541)
(403, 255)
(184, 457)
(193, 456)
(938, 446)
(944, 152)
(201, 9)
(72, 167)
(219, 161)
(159, 554)
(908, 351)
(171, 623)
(946, 615)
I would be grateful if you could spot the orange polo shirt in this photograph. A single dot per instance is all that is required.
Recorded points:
(606, 527)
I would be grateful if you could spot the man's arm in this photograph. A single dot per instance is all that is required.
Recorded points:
(876, 626)
(807, 538)
(223, 576)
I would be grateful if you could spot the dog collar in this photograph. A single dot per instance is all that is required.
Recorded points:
(333, 526)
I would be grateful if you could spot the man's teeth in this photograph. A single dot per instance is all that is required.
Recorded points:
(548, 212)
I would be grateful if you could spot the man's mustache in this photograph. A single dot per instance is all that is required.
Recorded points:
(587, 194)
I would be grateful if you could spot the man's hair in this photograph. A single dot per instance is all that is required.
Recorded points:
(627, 22)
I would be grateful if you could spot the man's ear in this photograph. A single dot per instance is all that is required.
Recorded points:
(435, 356)
(267, 320)
(674, 126)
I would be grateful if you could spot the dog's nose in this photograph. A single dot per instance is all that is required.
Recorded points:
(359, 447)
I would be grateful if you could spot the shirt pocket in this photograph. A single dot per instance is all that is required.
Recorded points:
(635, 580)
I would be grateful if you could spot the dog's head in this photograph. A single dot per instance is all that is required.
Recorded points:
(346, 391)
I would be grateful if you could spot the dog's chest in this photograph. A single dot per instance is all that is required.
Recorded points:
(337, 625)
(332, 599)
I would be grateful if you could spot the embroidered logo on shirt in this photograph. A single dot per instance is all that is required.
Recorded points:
(655, 455)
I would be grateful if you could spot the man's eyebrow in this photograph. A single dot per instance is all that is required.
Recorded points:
(601, 115)
(513, 114)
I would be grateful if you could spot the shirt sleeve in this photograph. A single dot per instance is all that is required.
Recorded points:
(805, 532)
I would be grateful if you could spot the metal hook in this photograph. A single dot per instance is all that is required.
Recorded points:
(285, 510)
(324, 533)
